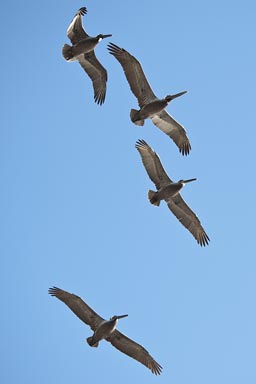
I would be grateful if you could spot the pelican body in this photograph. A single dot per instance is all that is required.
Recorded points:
(104, 330)
(152, 108)
(165, 192)
(72, 53)
(82, 50)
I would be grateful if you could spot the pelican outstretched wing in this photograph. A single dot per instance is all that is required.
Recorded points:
(142, 90)
(78, 306)
(97, 73)
(75, 31)
(173, 129)
(152, 164)
(134, 350)
(134, 74)
(188, 218)
(176, 204)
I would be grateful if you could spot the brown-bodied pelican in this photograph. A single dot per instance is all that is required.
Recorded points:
(169, 191)
(106, 329)
(150, 105)
(82, 50)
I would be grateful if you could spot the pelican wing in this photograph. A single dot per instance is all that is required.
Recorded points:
(152, 164)
(134, 350)
(97, 73)
(188, 218)
(173, 129)
(75, 31)
(134, 74)
(78, 306)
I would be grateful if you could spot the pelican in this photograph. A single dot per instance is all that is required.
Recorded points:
(82, 50)
(150, 106)
(106, 329)
(169, 191)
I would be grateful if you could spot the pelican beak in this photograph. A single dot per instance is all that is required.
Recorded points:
(104, 36)
(121, 316)
(177, 95)
(188, 181)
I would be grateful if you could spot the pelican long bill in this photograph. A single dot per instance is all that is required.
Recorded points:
(188, 181)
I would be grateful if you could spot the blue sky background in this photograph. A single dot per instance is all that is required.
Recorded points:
(74, 194)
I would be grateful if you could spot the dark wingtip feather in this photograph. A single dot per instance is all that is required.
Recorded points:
(53, 291)
(82, 11)
(203, 239)
(141, 143)
(114, 49)
(185, 149)
(99, 98)
(156, 368)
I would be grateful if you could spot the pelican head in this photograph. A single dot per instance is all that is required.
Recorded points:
(183, 182)
(169, 98)
(117, 317)
(100, 36)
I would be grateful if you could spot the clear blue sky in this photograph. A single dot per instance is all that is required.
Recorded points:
(75, 212)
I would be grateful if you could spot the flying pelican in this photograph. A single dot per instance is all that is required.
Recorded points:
(169, 191)
(150, 105)
(106, 329)
(82, 50)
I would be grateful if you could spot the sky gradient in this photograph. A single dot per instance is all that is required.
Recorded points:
(75, 213)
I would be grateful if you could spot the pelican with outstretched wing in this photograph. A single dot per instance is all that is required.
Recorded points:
(82, 50)
(150, 106)
(169, 191)
(106, 329)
